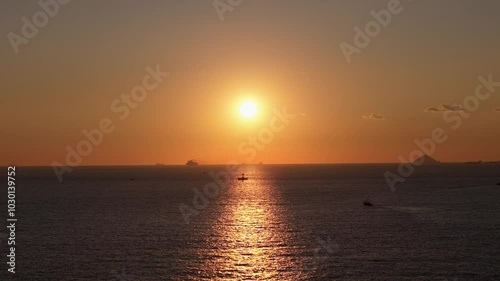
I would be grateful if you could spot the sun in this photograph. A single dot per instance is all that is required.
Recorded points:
(248, 109)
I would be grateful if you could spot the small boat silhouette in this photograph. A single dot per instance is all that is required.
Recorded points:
(242, 178)
(367, 203)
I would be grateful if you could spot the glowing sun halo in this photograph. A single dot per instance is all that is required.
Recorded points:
(248, 109)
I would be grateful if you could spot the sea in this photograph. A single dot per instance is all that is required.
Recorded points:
(286, 222)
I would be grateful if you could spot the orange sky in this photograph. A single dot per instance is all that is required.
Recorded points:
(279, 54)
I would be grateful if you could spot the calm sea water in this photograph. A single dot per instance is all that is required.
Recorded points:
(287, 222)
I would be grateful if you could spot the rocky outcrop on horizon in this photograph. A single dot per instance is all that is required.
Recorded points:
(426, 159)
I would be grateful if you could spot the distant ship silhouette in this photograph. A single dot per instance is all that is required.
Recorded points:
(367, 202)
(426, 159)
(242, 178)
(191, 163)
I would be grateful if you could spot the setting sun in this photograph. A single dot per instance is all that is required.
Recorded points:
(248, 109)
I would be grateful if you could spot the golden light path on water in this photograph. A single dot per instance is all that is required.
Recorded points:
(253, 235)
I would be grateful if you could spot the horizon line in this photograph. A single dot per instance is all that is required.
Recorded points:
(219, 164)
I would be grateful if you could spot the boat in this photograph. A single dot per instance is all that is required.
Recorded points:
(242, 178)
(191, 163)
(367, 203)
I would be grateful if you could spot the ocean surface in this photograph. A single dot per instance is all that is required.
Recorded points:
(287, 222)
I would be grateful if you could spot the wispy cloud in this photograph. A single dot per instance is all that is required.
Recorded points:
(497, 109)
(445, 108)
(374, 116)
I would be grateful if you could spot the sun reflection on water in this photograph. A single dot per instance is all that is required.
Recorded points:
(252, 237)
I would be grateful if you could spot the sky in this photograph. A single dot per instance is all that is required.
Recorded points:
(411, 79)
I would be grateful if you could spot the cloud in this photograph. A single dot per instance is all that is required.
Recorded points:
(445, 108)
(497, 109)
(374, 116)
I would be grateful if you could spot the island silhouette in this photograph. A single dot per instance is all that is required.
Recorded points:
(425, 159)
